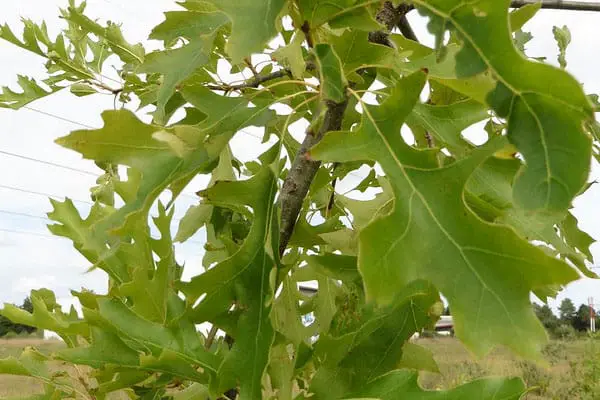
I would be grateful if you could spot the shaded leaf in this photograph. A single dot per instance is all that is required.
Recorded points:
(427, 206)
(544, 122)
(291, 56)
(418, 358)
(245, 278)
(175, 65)
(351, 361)
(403, 385)
(190, 24)
(333, 80)
(340, 14)
(253, 24)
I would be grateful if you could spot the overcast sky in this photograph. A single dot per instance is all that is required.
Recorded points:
(30, 258)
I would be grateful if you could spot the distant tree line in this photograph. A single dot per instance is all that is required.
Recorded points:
(6, 326)
(569, 321)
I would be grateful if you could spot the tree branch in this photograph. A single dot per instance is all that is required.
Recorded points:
(303, 170)
(258, 79)
(252, 83)
(560, 4)
(390, 17)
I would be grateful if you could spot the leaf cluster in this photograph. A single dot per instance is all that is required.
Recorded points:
(483, 225)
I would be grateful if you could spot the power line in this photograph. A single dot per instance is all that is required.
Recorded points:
(48, 236)
(29, 233)
(59, 117)
(20, 214)
(90, 127)
(53, 164)
(43, 194)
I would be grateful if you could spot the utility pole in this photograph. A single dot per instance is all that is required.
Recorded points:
(592, 314)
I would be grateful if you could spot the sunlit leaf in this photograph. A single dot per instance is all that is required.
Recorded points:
(247, 34)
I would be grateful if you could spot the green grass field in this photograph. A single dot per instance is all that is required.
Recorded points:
(572, 370)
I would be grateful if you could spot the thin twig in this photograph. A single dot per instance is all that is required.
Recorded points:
(252, 83)
(249, 64)
(332, 196)
(210, 338)
(259, 80)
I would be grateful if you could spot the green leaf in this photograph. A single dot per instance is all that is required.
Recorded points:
(519, 17)
(73, 226)
(575, 237)
(545, 123)
(403, 385)
(31, 35)
(340, 14)
(281, 370)
(111, 33)
(180, 340)
(150, 288)
(106, 348)
(175, 65)
(253, 25)
(286, 316)
(191, 24)
(193, 392)
(47, 314)
(521, 39)
(485, 268)
(364, 211)
(563, 39)
(82, 89)
(126, 140)
(245, 279)
(352, 360)
(446, 123)
(356, 52)
(418, 358)
(30, 363)
(30, 91)
(324, 301)
(194, 219)
(333, 80)
(291, 56)
(163, 156)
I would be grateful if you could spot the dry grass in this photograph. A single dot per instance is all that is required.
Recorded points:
(18, 385)
(570, 374)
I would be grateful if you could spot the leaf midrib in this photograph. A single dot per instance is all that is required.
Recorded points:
(431, 213)
(516, 92)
